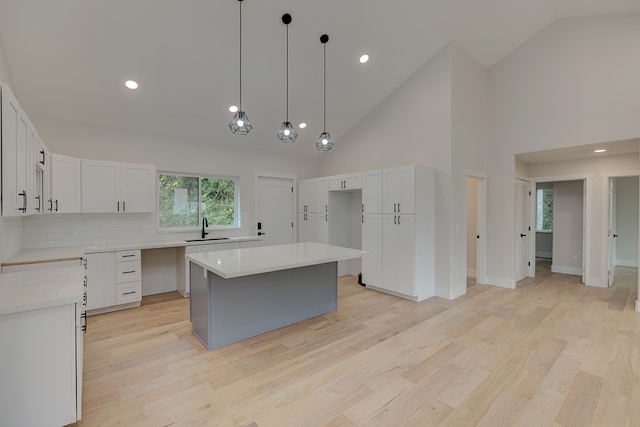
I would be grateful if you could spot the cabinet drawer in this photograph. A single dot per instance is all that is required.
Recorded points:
(133, 255)
(128, 292)
(128, 271)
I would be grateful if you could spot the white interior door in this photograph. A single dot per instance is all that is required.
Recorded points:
(275, 210)
(522, 229)
(611, 230)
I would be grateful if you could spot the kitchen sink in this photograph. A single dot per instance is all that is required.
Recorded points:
(206, 240)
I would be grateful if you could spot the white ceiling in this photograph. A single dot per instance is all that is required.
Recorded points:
(69, 58)
(613, 148)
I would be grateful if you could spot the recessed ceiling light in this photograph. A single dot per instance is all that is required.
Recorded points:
(302, 125)
(364, 58)
(601, 150)
(131, 84)
(233, 109)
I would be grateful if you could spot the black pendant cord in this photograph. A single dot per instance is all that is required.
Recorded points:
(240, 109)
(324, 47)
(287, 73)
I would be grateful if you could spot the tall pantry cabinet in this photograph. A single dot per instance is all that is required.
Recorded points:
(406, 263)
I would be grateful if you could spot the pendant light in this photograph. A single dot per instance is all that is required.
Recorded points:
(287, 132)
(240, 124)
(324, 142)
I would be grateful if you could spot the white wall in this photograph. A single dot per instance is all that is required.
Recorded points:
(567, 227)
(575, 82)
(472, 226)
(626, 221)
(168, 154)
(11, 229)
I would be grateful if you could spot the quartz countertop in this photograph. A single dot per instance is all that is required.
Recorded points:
(244, 262)
(31, 256)
(31, 290)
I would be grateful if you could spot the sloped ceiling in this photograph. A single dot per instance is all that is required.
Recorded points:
(70, 58)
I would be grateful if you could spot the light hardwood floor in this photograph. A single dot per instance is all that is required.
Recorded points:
(553, 352)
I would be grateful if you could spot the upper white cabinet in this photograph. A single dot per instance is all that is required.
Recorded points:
(321, 199)
(399, 190)
(117, 187)
(15, 137)
(346, 182)
(372, 192)
(306, 195)
(65, 184)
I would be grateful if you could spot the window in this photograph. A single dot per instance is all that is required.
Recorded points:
(185, 199)
(544, 209)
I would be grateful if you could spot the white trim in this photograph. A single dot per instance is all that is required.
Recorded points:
(597, 282)
(559, 178)
(501, 282)
(627, 262)
(481, 224)
(576, 271)
(471, 273)
(621, 174)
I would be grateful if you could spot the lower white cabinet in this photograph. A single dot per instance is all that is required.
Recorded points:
(113, 280)
(399, 254)
(321, 227)
(372, 243)
(41, 366)
(306, 227)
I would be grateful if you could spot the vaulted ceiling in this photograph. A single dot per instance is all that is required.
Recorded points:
(70, 58)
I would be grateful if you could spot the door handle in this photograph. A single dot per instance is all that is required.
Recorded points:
(523, 235)
(615, 235)
(260, 233)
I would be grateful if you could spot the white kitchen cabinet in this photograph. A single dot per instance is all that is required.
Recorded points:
(101, 279)
(306, 195)
(398, 254)
(372, 192)
(372, 243)
(352, 181)
(65, 184)
(15, 137)
(117, 187)
(321, 228)
(306, 227)
(399, 188)
(128, 287)
(321, 195)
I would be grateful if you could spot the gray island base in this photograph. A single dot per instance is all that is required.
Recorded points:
(240, 293)
(224, 311)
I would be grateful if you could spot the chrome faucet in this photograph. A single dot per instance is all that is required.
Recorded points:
(205, 223)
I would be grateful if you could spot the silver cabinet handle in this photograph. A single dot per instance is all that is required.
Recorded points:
(124, 206)
(129, 293)
(398, 207)
(394, 220)
(24, 202)
(398, 219)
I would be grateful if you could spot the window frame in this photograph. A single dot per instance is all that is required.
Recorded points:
(236, 202)
(539, 201)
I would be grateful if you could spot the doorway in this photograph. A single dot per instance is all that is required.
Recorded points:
(622, 229)
(523, 229)
(476, 205)
(275, 209)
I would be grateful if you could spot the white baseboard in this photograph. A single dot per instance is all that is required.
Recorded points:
(471, 273)
(502, 283)
(576, 271)
(598, 282)
(627, 262)
(544, 254)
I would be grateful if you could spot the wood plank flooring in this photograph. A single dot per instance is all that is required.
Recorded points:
(553, 352)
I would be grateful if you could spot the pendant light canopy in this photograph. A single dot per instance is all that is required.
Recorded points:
(240, 124)
(324, 142)
(287, 132)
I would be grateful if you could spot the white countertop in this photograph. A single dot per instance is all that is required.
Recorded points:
(33, 290)
(244, 262)
(30, 256)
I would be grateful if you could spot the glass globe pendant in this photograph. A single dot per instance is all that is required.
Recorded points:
(287, 132)
(240, 124)
(324, 142)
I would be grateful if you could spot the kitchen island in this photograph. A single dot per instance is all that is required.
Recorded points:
(240, 293)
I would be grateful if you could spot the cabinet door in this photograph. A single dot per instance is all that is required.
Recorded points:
(137, 188)
(48, 201)
(407, 190)
(336, 183)
(101, 280)
(352, 181)
(372, 192)
(65, 184)
(306, 195)
(100, 186)
(321, 204)
(306, 227)
(321, 222)
(14, 156)
(390, 242)
(372, 243)
(406, 230)
(33, 204)
(390, 188)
